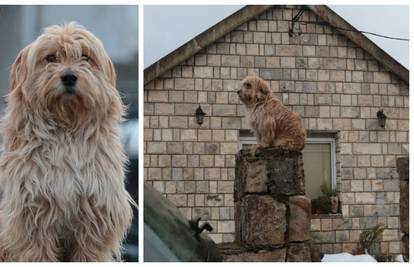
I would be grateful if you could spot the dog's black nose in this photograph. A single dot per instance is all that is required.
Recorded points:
(238, 92)
(68, 78)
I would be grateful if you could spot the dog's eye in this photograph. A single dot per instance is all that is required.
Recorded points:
(51, 58)
(248, 85)
(85, 57)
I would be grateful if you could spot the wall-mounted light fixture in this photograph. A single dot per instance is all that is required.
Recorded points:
(381, 118)
(199, 115)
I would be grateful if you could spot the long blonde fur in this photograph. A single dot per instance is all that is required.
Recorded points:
(274, 125)
(62, 169)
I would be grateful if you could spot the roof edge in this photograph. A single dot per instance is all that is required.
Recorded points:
(202, 40)
(333, 19)
(249, 12)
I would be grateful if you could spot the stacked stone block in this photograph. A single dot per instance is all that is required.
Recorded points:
(272, 214)
(332, 83)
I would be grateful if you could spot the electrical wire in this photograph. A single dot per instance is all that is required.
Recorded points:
(350, 30)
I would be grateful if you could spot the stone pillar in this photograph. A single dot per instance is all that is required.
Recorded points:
(403, 172)
(272, 214)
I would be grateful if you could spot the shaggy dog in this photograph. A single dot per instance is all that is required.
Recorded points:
(273, 124)
(62, 169)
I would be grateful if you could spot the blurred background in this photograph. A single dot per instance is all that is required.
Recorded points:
(117, 28)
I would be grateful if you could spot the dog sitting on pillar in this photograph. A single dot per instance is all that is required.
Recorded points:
(274, 125)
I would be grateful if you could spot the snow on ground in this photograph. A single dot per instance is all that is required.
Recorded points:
(346, 257)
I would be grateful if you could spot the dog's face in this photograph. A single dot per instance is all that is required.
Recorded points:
(253, 90)
(66, 76)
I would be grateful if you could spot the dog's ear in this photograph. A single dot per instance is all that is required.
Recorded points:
(110, 70)
(263, 89)
(18, 73)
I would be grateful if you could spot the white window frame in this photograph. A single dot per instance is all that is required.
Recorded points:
(331, 141)
(251, 140)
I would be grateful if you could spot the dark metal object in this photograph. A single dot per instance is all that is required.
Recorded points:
(294, 28)
(169, 236)
(205, 226)
(381, 118)
(200, 115)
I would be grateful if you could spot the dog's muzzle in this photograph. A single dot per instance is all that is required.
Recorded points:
(69, 79)
(238, 92)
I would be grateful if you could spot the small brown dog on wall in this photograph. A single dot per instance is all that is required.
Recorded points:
(62, 169)
(273, 124)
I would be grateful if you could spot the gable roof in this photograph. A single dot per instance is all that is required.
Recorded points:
(250, 12)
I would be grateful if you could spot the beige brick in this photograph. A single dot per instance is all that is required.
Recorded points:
(308, 50)
(164, 109)
(202, 187)
(348, 198)
(179, 200)
(324, 124)
(213, 60)
(206, 160)
(358, 124)
(390, 235)
(362, 148)
(224, 110)
(164, 160)
(342, 236)
(326, 224)
(228, 148)
(222, 97)
(346, 148)
(170, 187)
(357, 185)
(232, 135)
(365, 198)
(377, 185)
(178, 122)
(225, 186)
(354, 235)
(190, 96)
(179, 160)
(212, 173)
(187, 71)
(225, 227)
(188, 135)
(349, 112)
(157, 96)
(252, 49)
(231, 61)
(365, 100)
(287, 62)
(357, 76)
(288, 50)
(154, 174)
(259, 37)
(315, 225)
(382, 77)
(184, 84)
(395, 247)
(204, 135)
(156, 147)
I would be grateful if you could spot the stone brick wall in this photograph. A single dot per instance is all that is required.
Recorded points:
(329, 81)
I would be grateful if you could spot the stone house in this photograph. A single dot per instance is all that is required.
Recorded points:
(336, 79)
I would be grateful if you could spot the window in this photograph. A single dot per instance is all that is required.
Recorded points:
(319, 161)
(319, 165)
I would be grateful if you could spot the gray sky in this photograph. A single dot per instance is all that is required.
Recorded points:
(168, 27)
